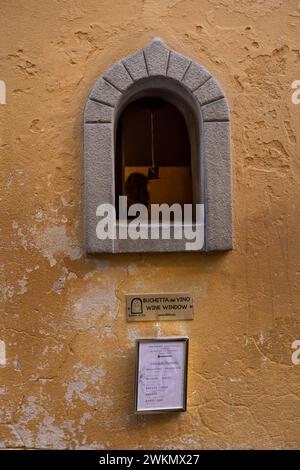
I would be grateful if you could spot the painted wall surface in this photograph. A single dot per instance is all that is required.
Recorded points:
(67, 353)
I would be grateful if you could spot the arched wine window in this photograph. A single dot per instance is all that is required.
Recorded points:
(153, 154)
(159, 121)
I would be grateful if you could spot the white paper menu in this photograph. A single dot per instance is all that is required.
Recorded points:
(161, 375)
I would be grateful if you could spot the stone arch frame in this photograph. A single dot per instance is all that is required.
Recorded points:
(189, 86)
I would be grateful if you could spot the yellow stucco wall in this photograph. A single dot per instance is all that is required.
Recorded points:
(69, 372)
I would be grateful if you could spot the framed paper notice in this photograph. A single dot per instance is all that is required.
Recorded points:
(161, 374)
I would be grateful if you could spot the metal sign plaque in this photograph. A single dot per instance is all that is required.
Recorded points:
(155, 307)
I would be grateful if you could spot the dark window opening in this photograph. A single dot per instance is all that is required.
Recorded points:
(153, 154)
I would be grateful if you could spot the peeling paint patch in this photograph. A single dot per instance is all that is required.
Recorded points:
(7, 292)
(31, 410)
(261, 339)
(54, 241)
(71, 276)
(59, 285)
(50, 435)
(133, 333)
(86, 386)
(23, 285)
(21, 236)
(85, 417)
(95, 302)
(2, 353)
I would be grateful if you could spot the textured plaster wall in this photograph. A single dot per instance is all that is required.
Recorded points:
(67, 358)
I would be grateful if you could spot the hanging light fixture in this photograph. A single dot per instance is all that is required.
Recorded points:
(153, 171)
(152, 104)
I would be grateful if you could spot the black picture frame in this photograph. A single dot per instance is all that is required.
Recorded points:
(161, 340)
